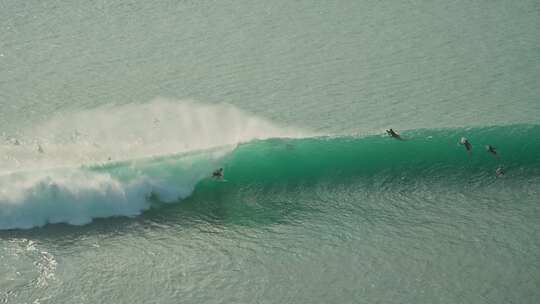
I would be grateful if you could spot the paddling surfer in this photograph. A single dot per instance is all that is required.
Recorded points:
(491, 149)
(393, 134)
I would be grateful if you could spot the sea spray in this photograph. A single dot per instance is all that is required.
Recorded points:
(124, 132)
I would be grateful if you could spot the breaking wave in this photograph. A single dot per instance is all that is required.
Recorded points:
(78, 194)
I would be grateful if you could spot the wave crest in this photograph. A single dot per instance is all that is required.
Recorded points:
(428, 157)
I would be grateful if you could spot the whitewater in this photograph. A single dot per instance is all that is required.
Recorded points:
(116, 167)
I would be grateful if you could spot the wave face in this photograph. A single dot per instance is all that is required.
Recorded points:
(126, 188)
(423, 154)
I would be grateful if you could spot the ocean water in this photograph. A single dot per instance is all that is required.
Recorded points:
(115, 113)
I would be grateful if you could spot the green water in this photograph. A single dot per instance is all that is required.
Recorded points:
(135, 103)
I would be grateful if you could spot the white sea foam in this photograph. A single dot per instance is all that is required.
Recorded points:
(56, 186)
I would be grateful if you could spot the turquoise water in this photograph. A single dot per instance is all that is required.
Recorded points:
(133, 105)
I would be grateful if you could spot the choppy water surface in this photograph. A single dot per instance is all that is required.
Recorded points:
(114, 114)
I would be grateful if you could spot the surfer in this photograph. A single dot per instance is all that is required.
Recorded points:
(218, 174)
(464, 141)
(499, 172)
(40, 149)
(491, 149)
(393, 134)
